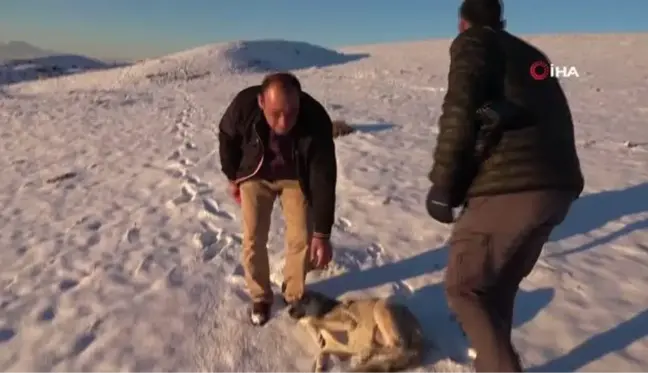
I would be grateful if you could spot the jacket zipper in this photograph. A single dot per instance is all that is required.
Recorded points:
(258, 167)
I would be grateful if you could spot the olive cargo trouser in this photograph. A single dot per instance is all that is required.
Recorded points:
(494, 245)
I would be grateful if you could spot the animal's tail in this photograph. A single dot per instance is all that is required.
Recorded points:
(390, 359)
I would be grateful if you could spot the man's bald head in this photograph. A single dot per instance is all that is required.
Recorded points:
(279, 101)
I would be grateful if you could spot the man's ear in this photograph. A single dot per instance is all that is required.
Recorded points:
(463, 25)
(260, 100)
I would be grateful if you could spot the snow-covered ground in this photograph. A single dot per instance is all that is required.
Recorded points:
(129, 261)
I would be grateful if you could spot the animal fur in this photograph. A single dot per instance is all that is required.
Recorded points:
(379, 335)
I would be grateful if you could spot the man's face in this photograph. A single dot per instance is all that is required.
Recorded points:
(280, 108)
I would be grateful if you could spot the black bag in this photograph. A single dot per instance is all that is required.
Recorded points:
(494, 118)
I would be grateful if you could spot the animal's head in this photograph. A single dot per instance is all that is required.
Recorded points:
(312, 304)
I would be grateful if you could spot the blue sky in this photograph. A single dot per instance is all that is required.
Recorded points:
(139, 28)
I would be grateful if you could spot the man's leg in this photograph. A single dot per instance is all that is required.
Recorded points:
(466, 277)
(490, 240)
(526, 256)
(295, 212)
(518, 267)
(257, 199)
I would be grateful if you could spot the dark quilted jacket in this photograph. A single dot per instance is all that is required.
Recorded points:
(536, 152)
(243, 136)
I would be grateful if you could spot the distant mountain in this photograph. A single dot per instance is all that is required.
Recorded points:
(22, 50)
(21, 61)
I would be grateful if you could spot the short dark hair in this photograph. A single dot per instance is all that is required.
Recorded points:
(486, 13)
(286, 81)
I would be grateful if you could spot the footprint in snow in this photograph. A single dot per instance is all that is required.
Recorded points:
(84, 340)
(201, 187)
(175, 155)
(67, 284)
(211, 242)
(176, 170)
(7, 334)
(188, 193)
(343, 224)
(186, 162)
(348, 259)
(212, 207)
(133, 235)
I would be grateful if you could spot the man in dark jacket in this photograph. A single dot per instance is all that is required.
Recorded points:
(506, 153)
(277, 141)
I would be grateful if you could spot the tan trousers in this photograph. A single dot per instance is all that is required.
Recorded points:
(257, 201)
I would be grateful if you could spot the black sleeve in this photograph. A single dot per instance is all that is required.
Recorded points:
(458, 122)
(229, 139)
(322, 171)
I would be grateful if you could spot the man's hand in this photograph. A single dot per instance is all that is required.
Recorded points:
(321, 252)
(438, 206)
(235, 192)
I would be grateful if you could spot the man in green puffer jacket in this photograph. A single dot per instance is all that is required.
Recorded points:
(506, 153)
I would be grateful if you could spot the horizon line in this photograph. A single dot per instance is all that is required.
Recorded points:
(345, 46)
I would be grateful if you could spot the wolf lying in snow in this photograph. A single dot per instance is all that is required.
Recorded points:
(382, 336)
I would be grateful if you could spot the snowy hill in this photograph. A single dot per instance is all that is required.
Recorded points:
(242, 57)
(23, 62)
(45, 67)
(120, 247)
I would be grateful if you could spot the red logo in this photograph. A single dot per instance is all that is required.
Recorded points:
(539, 70)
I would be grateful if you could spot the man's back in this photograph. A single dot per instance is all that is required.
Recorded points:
(539, 151)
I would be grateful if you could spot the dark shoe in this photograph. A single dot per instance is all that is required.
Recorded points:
(260, 313)
(296, 310)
